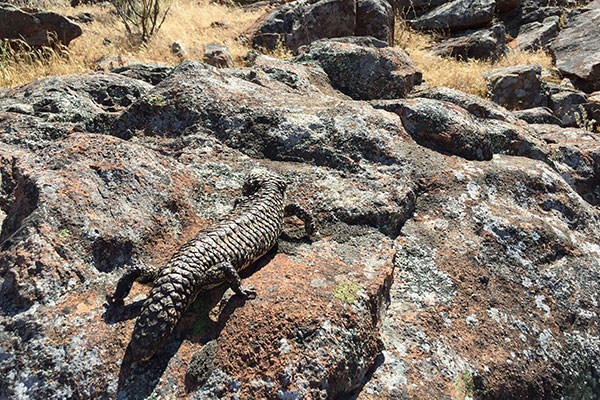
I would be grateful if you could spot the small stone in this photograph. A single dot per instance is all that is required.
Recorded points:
(108, 63)
(178, 48)
(217, 55)
(222, 23)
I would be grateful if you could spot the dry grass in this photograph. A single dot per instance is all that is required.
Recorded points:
(466, 76)
(188, 21)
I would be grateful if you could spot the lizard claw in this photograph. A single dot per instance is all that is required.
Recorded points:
(113, 301)
(248, 292)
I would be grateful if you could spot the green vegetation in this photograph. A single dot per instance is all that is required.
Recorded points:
(3, 62)
(158, 101)
(583, 121)
(347, 292)
(463, 385)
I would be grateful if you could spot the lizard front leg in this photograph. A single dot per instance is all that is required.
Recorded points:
(303, 214)
(138, 272)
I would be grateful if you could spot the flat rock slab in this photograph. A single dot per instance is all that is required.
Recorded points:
(488, 255)
(457, 15)
(483, 44)
(54, 291)
(576, 50)
(364, 68)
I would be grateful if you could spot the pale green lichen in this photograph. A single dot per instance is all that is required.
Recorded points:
(158, 101)
(347, 292)
(463, 385)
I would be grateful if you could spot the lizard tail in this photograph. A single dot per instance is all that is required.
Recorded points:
(160, 313)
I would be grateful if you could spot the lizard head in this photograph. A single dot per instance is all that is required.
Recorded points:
(261, 178)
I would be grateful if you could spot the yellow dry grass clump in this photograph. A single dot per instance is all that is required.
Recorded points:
(464, 75)
(188, 21)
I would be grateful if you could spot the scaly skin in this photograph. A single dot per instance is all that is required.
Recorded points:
(214, 256)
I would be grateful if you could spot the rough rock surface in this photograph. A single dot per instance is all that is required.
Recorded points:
(458, 15)
(433, 276)
(301, 22)
(565, 102)
(518, 87)
(217, 55)
(527, 14)
(482, 44)
(576, 50)
(405, 6)
(42, 111)
(538, 115)
(375, 18)
(35, 26)
(577, 156)
(363, 67)
(536, 35)
(150, 73)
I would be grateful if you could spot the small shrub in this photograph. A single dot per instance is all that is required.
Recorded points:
(4, 62)
(142, 18)
(583, 121)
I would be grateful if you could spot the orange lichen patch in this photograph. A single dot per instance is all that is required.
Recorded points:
(297, 302)
(495, 321)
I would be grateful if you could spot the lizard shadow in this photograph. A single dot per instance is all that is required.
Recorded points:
(200, 324)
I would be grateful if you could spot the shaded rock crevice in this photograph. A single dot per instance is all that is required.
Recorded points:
(20, 197)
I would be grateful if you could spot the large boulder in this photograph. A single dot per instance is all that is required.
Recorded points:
(518, 87)
(301, 22)
(37, 28)
(433, 276)
(458, 15)
(42, 111)
(576, 50)
(565, 103)
(375, 18)
(483, 44)
(364, 68)
(536, 35)
(528, 14)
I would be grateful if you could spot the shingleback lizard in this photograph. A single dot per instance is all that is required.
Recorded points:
(212, 257)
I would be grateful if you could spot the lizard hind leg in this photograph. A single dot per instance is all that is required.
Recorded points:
(234, 280)
(138, 272)
(303, 214)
